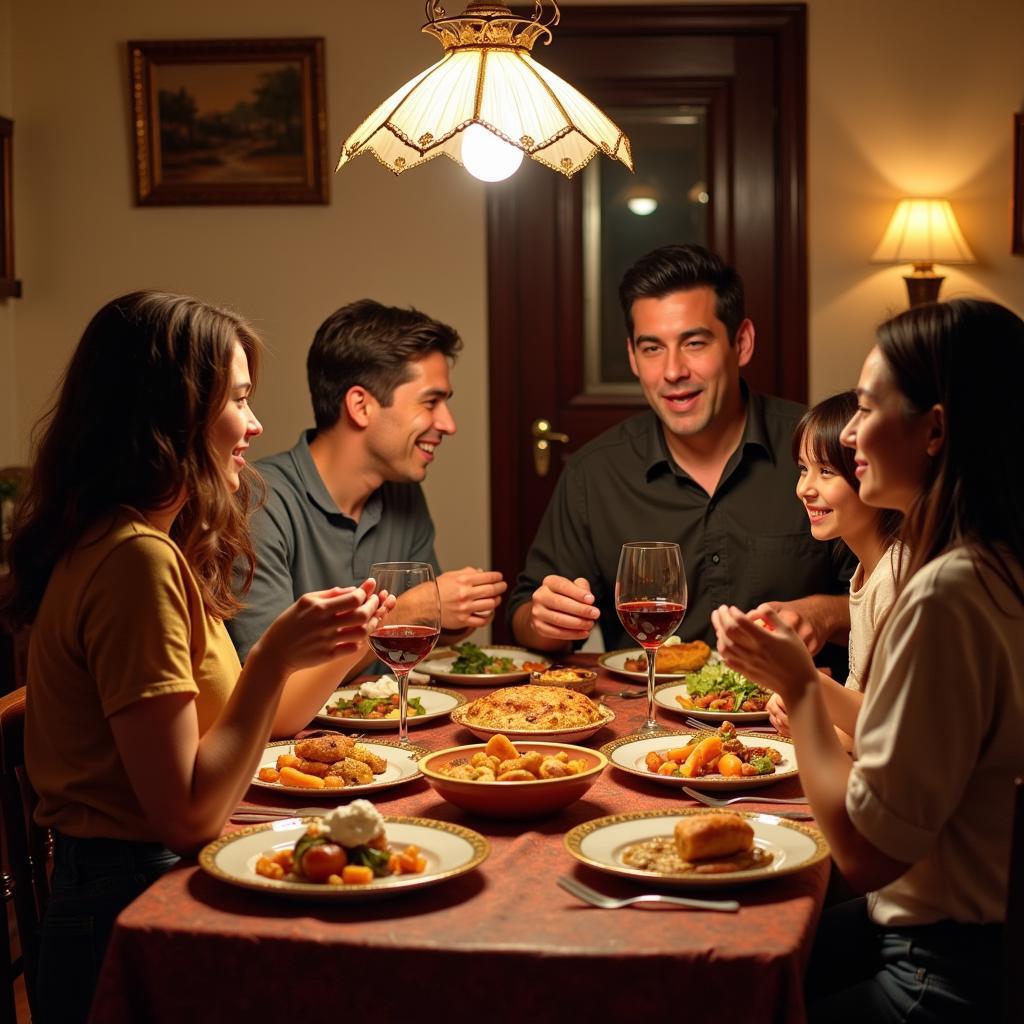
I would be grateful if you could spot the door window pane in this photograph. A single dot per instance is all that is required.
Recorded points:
(626, 215)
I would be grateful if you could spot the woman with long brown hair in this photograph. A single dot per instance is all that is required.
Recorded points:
(142, 730)
(919, 819)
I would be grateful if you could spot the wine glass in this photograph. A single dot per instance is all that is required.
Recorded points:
(650, 597)
(409, 633)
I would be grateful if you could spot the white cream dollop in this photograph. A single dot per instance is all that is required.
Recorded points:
(354, 825)
(383, 687)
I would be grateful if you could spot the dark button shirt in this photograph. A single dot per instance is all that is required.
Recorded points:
(748, 542)
(304, 542)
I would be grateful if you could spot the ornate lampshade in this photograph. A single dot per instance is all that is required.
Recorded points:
(923, 232)
(488, 86)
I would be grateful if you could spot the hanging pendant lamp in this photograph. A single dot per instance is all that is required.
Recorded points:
(487, 102)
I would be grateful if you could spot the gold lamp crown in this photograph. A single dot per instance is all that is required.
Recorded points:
(488, 79)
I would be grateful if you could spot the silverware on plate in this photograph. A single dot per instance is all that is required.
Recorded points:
(598, 899)
(696, 723)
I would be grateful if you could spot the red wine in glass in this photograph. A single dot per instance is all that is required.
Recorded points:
(402, 647)
(650, 597)
(651, 623)
(414, 626)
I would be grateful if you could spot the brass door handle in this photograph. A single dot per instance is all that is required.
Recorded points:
(543, 436)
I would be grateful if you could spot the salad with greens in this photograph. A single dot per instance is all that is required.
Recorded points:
(716, 687)
(473, 660)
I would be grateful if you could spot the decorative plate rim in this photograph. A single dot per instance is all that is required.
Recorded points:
(573, 839)
(480, 847)
(710, 716)
(372, 723)
(368, 787)
(714, 782)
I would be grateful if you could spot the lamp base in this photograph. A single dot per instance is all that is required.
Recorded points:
(923, 287)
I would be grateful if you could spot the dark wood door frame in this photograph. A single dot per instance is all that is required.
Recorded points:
(540, 236)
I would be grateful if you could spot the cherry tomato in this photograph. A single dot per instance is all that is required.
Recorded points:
(322, 861)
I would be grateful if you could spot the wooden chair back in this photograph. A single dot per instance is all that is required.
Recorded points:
(28, 847)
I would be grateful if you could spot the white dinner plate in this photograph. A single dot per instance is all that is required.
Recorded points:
(615, 661)
(629, 755)
(436, 704)
(600, 844)
(572, 734)
(402, 767)
(439, 666)
(450, 850)
(665, 697)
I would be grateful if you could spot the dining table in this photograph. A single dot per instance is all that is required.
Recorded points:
(499, 943)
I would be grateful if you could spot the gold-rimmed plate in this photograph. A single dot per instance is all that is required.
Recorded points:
(439, 666)
(450, 851)
(629, 754)
(600, 844)
(437, 703)
(665, 696)
(401, 767)
(615, 661)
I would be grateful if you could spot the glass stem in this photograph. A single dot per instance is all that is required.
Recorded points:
(403, 705)
(652, 669)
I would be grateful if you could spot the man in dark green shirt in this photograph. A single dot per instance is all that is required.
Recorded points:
(709, 467)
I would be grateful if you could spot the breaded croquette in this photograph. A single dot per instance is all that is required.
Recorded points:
(326, 749)
(355, 773)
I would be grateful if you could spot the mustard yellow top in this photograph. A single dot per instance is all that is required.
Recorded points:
(122, 620)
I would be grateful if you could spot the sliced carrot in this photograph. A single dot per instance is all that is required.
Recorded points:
(356, 874)
(653, 761)
(730, 764)
(267, 774)
(293, 777)
(681, 753)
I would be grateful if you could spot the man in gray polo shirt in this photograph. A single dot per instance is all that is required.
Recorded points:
(708, 466)
(348, 494)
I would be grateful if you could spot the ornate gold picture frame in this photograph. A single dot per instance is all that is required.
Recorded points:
(229, 121)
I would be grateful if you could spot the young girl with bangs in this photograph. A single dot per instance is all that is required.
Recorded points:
(142, 730)
(920, 818)
(827, 486)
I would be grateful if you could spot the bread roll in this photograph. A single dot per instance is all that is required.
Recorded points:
(702, 836)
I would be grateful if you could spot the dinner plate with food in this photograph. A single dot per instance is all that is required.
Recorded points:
(351, 853)
(374, 705)
(712, 760)
(336, 764)
(715, 693)
(696, 847)
(466, 664)
(675, 659)
(534, 712)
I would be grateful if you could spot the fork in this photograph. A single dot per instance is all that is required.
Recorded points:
(695, 723)
(598, 899)
(253, 814)
(711, 801)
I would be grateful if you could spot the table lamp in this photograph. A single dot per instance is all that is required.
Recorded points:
(923, 232)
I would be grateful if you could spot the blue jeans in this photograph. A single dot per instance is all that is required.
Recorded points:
(93, 881)
(943, 972)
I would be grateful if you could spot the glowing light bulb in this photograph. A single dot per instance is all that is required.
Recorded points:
(642, 206)
(486, 156)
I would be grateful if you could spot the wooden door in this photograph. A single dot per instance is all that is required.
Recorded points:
(745, 67)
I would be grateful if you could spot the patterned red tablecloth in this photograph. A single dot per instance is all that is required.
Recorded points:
(501, 943)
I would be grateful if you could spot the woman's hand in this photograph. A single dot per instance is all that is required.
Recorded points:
(771, 654)
(321, 626)
(777, 715)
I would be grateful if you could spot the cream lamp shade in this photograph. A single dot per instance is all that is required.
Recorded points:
(487, 103)
(923, 232)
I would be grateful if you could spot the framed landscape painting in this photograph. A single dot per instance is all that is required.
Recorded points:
(229, 121)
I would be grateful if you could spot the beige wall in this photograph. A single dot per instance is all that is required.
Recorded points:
(904, 98)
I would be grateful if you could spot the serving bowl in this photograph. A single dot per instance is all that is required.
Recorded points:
(512, 799)
(572, 677)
